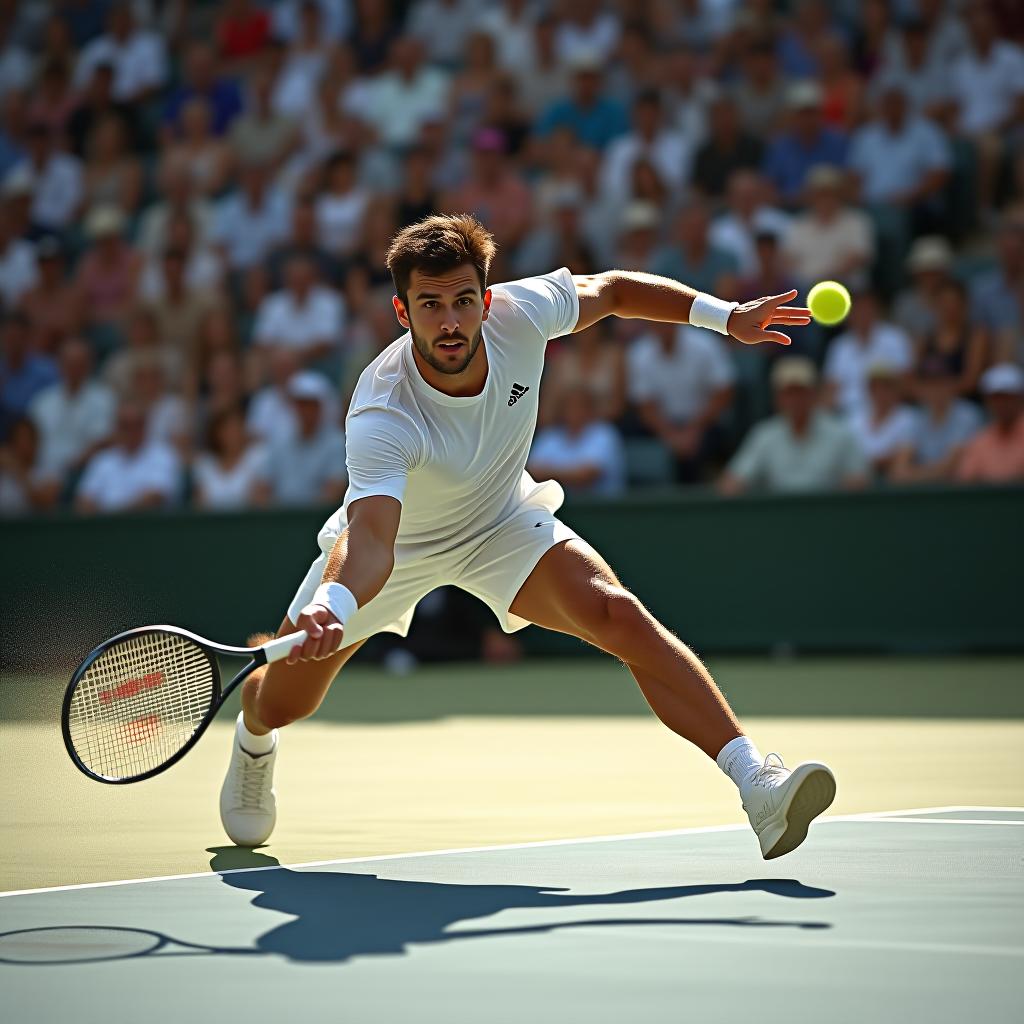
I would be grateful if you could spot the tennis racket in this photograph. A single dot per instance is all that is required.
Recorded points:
(141, 700)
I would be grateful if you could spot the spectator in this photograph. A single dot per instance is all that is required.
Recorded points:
(232, 472)
(15, 63)
(112, 174)
(688, 92)
(250, 220)
(924, 75)
(341, 206)
(136, 56)
(511, 24)
(829, 240)
(996, 454)
(52, 305)
(96, 102)
(372, 35)
(770, 276)
(202, 268)
(900, 160)
(56, 181)
(557, 239)
(868, 340)
(144, 341)
(760, 94)
(271, 413)
(943, 425)
(842, 98)
(996, 294)
(727, 149)
(54, 99)
(965, 346)
(27, 484)
(19, 271)
(177, 198)
(418, 198)
(74, 415)
(651, 139)
(201, 81)
(681, 381)
(167, 414)
(546, 75)
(401, 99)
(130, 475)
(303, 241)
(444, 27)
(304, 63)
(494, 193)
(581, 451)
(24, 372)
(261, 135)
(746, 214)
(108, 274)
(638, 236)
(585, 30)
(807, 142)
(593, 360)
(304, 315)
(930, 265)
(222, 387)
(241, 31)
(12, 136)
(800, 43)
(334, 18)
(309, 466)
(691, 257)
(194, 146)
(886, 426)
(593, 118)
(801, 448)
(988, 85)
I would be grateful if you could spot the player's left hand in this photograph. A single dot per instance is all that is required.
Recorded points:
(748, 321)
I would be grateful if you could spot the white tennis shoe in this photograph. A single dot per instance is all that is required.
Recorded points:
(781, 803)
(248, 804)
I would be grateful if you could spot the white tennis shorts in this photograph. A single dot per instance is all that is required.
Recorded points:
(492, 567)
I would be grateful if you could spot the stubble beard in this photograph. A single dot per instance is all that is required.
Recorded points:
(425, 349)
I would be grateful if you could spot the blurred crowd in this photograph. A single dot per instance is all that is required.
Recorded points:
(196, 198)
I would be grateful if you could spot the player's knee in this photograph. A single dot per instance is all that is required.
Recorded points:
(624, 618)
(276, 714)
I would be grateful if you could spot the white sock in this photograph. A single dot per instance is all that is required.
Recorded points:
(738, 758)
(251, 743)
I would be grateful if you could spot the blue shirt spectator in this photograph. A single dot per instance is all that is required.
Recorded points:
(594, 119)
(222, 94)
(23, 373)
(809, 142)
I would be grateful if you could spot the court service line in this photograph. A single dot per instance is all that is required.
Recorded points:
(697, 830)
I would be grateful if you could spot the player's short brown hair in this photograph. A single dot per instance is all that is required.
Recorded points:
(438, 244)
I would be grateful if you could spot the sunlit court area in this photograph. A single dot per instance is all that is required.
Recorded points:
(511, 510)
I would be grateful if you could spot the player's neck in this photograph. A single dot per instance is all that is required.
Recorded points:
(466, 384)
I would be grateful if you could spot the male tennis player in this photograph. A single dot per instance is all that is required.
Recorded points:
(438, 433)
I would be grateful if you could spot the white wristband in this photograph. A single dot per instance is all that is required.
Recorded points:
(341, 601)
(708, 311)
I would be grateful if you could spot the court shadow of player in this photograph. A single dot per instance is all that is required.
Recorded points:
(340, 915)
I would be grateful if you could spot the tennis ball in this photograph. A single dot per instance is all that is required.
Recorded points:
(829, 302)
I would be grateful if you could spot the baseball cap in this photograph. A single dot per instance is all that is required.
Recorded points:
(932, 252)
(309, 385)
(794, 371)
(1003, 379)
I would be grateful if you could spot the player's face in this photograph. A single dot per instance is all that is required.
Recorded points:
(444, 314)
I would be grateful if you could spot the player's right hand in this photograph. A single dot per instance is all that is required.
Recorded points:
(324, 634)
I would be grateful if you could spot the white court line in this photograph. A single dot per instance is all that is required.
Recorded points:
(698, 830)
(940, 821)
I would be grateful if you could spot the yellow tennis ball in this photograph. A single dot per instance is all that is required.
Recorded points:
(829, 302)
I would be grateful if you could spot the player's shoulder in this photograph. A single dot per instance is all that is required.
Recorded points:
(546, 304)
(380, 384)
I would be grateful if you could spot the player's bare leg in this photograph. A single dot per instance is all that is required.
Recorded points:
(573, 590)
(273, 697)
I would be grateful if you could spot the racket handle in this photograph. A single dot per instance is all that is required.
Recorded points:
(281, 646)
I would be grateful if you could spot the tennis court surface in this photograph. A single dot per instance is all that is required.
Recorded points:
(898, 916)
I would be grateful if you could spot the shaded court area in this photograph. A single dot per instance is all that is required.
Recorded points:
(904, 916)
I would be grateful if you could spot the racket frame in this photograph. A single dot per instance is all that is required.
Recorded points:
(257, 657)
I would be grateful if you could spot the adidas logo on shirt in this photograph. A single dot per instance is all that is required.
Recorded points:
(517, 392)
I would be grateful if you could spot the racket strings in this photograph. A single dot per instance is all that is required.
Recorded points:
(139, 703)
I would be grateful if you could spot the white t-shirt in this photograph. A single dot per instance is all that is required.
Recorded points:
(229, 488)
(458, 465)
(140, 63)
(284, 321)
(116, 479)
(18, 271)
(339, 220)
(56, 190)
(682, 381)
(849, 360)
(988, 89)
(68, 424)
(880, 440)
(598, 445)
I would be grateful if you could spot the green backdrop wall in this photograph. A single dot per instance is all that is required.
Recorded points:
(883, 570)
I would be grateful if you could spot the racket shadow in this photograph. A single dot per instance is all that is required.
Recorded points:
(342, 915)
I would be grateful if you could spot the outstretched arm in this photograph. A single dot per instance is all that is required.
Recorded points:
(632, 294)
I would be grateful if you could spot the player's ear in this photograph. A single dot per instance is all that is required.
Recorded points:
(487, 304)
(400, 312)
